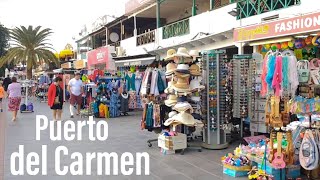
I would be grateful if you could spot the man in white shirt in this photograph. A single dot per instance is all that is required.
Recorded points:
(76, 89)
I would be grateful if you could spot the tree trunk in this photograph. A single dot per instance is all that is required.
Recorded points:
(29, 73)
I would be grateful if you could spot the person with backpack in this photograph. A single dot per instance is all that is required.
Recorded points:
(14, 92)
(55, 98)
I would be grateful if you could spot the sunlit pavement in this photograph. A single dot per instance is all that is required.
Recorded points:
(124, 136)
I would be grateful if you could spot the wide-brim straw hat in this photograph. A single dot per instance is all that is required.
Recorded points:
(170, 69)
(182, 107)
(182, 83)
(195, 85)
(171, 101)
(171, 53)
(195, 70)
(182, 52)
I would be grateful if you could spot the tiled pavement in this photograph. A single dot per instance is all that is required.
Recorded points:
(124, 136)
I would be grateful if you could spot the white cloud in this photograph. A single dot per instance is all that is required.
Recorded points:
(64, 17)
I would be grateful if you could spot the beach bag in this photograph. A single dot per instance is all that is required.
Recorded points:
(303, 71)
(30, 107)
(309, 154)
(23, 107)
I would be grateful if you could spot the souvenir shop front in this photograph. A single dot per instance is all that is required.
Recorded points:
(131, 70)
(285, 98)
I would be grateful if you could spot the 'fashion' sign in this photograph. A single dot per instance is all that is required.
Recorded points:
(291, 26)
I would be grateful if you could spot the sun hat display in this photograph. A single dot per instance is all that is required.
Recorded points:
(195, 85)
(187, 119)
(183, 68)
(171, 101)
(171, 53)
(170, 68)
(195, 70)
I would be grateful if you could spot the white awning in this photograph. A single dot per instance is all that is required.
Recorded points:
(134, 62)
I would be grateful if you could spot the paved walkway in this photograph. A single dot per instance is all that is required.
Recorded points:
(124, 136)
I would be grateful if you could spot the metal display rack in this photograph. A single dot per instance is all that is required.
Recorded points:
(214, 136)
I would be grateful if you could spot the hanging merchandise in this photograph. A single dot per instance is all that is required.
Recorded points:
(216, 78)
(124, 103)
(303, 71)
(309, 152)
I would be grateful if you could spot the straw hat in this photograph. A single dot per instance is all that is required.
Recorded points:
(183, 68)
(195, 85)
(182, 52)
(194, 54)
(170, 69)
(170, 88)
(183, 105)
(170, 120)
(171, 53)
(182, 83)
(195, 70)
(187, 119)
(171, 101)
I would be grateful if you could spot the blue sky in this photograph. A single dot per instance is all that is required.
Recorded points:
(64, 17)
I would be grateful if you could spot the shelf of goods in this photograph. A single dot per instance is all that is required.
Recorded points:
(216, 101)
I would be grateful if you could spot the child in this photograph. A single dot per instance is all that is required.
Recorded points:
(2, 92)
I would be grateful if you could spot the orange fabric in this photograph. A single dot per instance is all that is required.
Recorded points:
(2, 92)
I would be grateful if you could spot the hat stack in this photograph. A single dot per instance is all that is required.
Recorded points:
(179, 71)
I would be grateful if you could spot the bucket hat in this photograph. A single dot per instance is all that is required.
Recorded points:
(171, 53)
(195, 70)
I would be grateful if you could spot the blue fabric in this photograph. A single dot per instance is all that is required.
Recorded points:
(130, 81)
(149, 119)
(271, 69)
(138, 82)
(161, 86)
(114, 105)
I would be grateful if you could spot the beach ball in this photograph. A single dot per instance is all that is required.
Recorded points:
(308, 40)
(290, 44)
(267, 46)
(284, 45)
(299, 43)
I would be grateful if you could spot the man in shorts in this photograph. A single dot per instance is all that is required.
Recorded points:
(75, 89)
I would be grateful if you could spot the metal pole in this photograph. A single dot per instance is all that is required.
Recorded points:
(218, 98)
(158, 14)
(194, 9)
(135, 33)
(208, 103)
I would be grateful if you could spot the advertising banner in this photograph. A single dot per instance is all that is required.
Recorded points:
(300, 24)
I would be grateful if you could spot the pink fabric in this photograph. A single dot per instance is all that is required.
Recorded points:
(277, 78)
(14, 90)
(264, 86)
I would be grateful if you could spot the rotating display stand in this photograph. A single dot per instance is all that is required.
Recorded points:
(26, 84)
(214, 136)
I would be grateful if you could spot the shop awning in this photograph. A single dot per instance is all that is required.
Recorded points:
(140, 60)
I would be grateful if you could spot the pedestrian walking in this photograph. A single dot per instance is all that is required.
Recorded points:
(6, 82)
(75, 89)
(55, 98)
(14, 92)
(2, 96)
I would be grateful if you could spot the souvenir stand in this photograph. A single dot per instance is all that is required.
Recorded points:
(243, 77)
(216, 115)
(185, 113)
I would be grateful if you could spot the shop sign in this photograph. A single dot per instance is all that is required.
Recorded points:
(146, 38)
(80, 64)
(133, 63)
(66, 65)
(291, 26)
(132, 5)
(98, 56)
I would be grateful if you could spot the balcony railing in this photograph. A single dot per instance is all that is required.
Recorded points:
(248, 8)
(146, 38)
(176, 29)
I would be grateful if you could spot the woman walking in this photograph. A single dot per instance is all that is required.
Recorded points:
(55, 98)
(14, 92)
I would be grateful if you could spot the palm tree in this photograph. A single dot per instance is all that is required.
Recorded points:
(29, 45)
